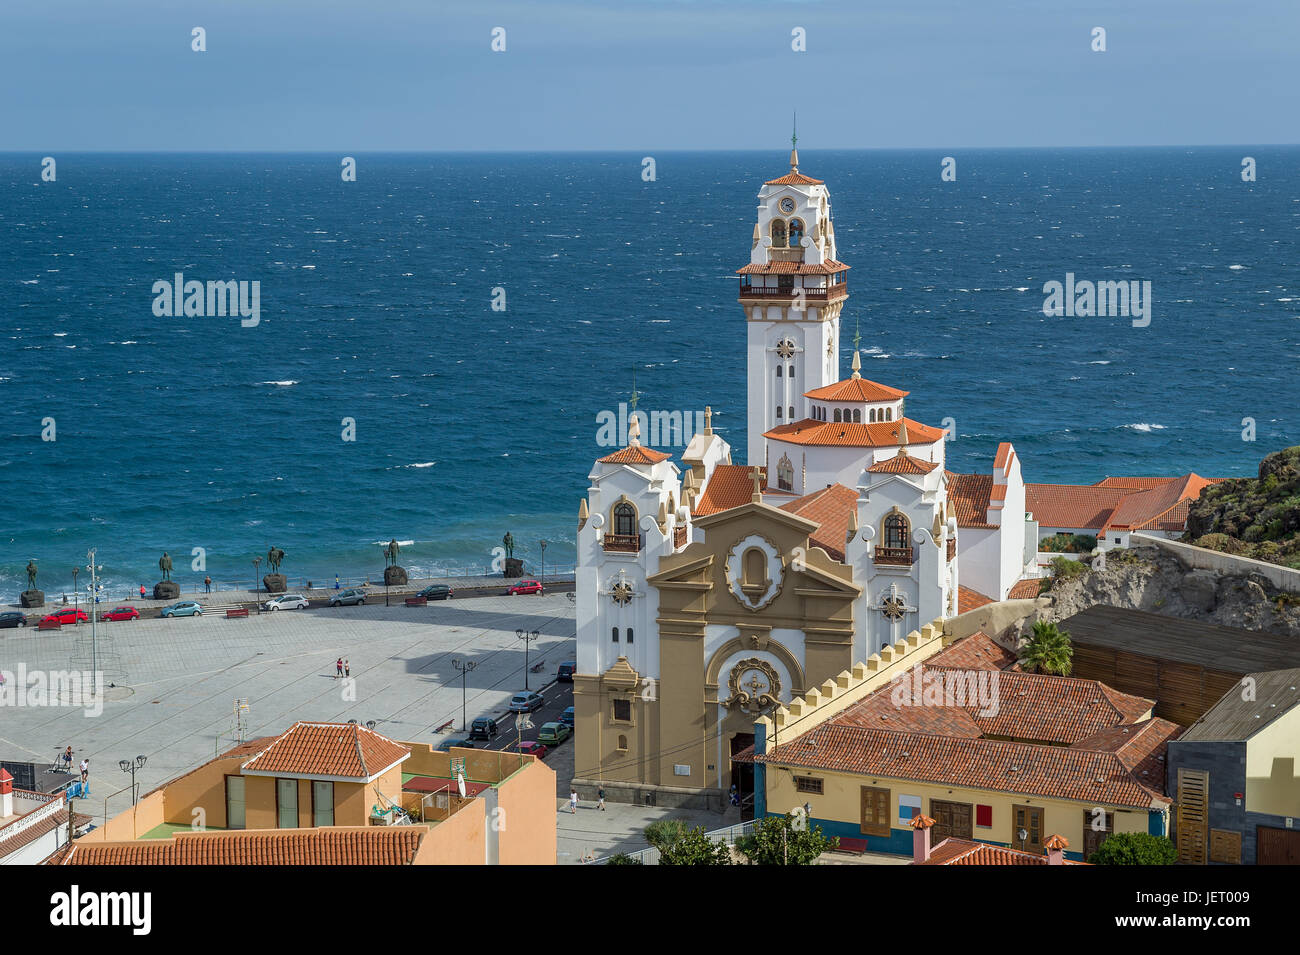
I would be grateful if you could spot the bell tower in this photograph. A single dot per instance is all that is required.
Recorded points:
(792, 292)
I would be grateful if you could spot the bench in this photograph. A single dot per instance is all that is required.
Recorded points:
(854, 846)
(445, 726)
(236, 612)
(417, 601)
(49, 625)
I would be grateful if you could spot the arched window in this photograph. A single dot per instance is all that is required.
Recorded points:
(629, 634)
(616, 634)
(778, 411)
(896, 531)
(624, 519)
(778, 371)
(796, 233)
(622, 743)
(790, 373)
(837, 415)
(857, 415)
(872, 416)
(785, 474)
(755, 567)
(790, 412)
(889, 414)
(778, 233)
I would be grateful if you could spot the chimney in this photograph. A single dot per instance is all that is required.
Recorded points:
(921, 838)
(1056, 846)
(6, 794)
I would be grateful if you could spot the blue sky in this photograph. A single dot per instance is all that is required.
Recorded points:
(302, 75)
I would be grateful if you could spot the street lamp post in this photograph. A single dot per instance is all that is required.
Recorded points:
(463, 667)
(543, 577)
(257, 583)
(130, 766)
(76, 603)
(385, 579)
(94, 599)
(527, 637)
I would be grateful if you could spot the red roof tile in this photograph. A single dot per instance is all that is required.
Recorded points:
(954, 851)
(635, 454)
(1139, 747)
(856, 389)
(831, 508)
(968, 494)
(33, 831)
(828, 267)
(1142, 508)
(1025, 589)
(328, 845)
(881, 434)
(730, 485)
(1084, 506)
(968, 599)
(902, 463)
(979, 651)
(328, 749)
(795, 179)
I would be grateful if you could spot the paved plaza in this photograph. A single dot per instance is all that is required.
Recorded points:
(178, 679)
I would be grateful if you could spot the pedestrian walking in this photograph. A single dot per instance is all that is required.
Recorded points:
(67, 758)
(85, 771)
(735, 795)
(142, 591)
(600, 798)
(338, 668)
(207, 584)
(573, 801)
(347, 669)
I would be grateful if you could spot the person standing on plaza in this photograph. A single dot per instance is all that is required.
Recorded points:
(600, 798)
(67, 758)
(85, 771)
(338, 668)
(573, 801)
(207, 584)
(347, 669)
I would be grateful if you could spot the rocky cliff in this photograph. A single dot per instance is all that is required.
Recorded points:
(1146, 578)
(1253, 517)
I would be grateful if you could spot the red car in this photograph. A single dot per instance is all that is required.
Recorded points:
(120, 613)
(65, 616)
(530, 747)
(525, 587)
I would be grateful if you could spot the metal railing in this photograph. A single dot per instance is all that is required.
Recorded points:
(788, 291)
(900, 556)
(629, 543)
(650, 855)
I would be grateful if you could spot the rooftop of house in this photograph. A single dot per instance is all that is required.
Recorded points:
(832, 507)
(954, 851)
(1276, 693)
(969, 599)
(339, 845)
(979, 651)
(338, 750)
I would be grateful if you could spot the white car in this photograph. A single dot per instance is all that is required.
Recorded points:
(286, 602)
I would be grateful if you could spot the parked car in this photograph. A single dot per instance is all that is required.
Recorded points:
(66, 616)
(436, 592)
(460, 742)
(286, 602)
(553, 734)
(530, 747)
(566, 671)
(13, 618)
(525, 702)
(348, 598)
(185, 608)
(567, 717)
(483, 728)
(119, 613)
(525, 587)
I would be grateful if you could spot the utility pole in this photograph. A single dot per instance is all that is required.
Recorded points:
(464, 667)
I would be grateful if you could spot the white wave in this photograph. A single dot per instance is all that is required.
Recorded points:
(1236, 268)
(306, 266)
(422, 464)
(282, 384)
(1144, 427)
(1098, 363)
(399, 543)
(60, 334)
(29, 281)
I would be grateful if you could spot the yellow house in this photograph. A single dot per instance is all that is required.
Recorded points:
(992, 755)
(471, 807)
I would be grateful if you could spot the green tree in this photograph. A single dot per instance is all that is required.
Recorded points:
(1048, 650)
(622, 858)
(663, 833)
(1134, 848)
(785, 840)
(695, 848)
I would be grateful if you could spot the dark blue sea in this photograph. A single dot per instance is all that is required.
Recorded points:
(186, 432)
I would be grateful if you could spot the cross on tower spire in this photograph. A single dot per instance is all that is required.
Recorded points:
(794, 143)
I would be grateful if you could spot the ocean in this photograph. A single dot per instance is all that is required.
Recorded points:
(376, 307)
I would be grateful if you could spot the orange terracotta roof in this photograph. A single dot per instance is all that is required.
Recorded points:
(856, 389)
(1084, 506)
(1142, 508)
(1133, 483)
(34, 830)
(830, 508)
(1025, 589)
(968, 599)
(1139, 747)
(954, 851)
(327, 845)
(635, 454)
(828, 267)
(730, 485)
(903, 464)
(327, 749)
(881, 434)
(968, 494)
(1060, 772)
(979, 651)
(795, 179)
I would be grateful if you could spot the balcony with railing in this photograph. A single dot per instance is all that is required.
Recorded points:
(626, 543)
(813, 293)
(897, 556)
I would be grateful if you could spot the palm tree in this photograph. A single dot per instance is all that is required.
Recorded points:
(1048, 650)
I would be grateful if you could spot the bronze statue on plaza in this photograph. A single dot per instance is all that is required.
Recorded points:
(509, 543)
(31, 575)
(392, 551)
(273, 557)
(165, 565)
